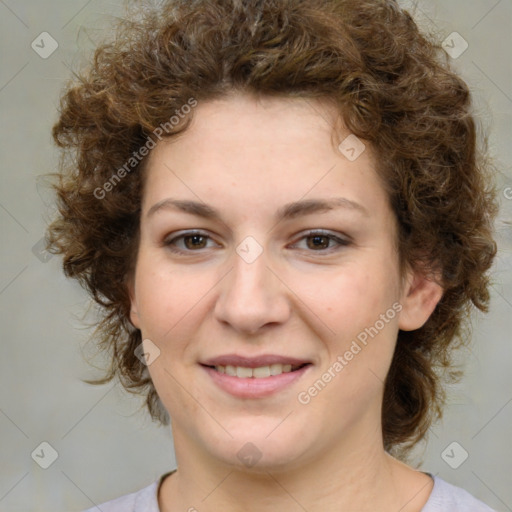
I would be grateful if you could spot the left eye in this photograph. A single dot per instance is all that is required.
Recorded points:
(320, 241)
(317, 241)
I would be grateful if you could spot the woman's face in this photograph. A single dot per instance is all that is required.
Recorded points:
(230, 280)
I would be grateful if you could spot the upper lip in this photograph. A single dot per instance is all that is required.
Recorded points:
(253, 362)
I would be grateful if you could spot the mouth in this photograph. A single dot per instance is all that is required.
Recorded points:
(257, 377)
(259, 372)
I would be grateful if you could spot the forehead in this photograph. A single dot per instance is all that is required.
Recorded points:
(262, 122)
(261, 151)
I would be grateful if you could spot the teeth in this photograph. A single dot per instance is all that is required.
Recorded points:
(258, 373)
(243, 373)
(230, 370)
(261, 372)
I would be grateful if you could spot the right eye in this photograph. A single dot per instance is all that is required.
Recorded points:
(190, 241)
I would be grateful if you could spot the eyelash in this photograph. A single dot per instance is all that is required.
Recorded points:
(310, 234)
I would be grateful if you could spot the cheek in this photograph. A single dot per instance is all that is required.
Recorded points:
(348, 300)
(356, 304)
(166, 296)
(175, 391)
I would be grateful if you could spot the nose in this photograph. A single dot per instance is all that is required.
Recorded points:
(252, 296)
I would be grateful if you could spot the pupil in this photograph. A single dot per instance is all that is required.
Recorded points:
(317, 238)
(194, 238)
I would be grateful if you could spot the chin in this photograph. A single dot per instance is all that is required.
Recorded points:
(253, 450)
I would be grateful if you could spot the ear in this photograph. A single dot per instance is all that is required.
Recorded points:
(420, 297)
(134, 313)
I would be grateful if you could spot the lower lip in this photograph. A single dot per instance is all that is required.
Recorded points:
(255, 388)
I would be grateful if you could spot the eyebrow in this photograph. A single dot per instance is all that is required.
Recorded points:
(287, 212)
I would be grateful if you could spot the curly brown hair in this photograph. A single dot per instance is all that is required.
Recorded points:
(394, 88)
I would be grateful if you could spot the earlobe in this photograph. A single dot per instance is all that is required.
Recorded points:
(420, 297)
(134, 313)
(134, 316)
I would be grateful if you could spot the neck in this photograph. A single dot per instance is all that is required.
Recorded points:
(354, 476)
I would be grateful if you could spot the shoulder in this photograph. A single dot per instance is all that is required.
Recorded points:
(446, 497)
(144, 500)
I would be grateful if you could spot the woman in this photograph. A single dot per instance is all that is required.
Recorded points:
(281, 207)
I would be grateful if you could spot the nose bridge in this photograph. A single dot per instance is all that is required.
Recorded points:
(251, 296)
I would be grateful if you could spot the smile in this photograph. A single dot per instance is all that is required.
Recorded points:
(258, 382)
(260, 372)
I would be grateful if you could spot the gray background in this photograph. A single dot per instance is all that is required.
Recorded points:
(106, 445)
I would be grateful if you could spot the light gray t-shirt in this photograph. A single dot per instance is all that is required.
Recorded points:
(444, 498)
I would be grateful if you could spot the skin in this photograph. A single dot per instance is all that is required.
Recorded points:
(247, 157)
